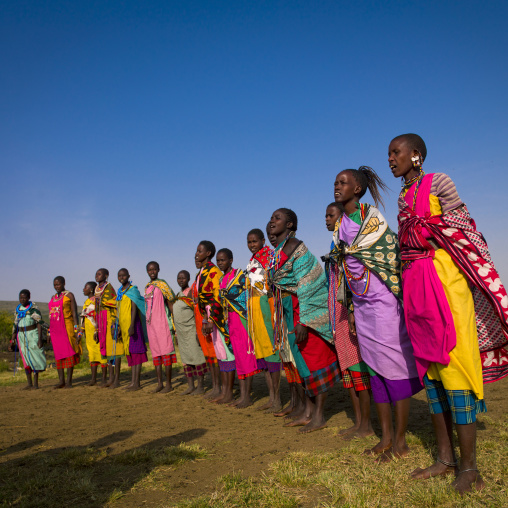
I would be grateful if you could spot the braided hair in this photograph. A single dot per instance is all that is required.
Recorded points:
(291, 216)
(414, 142)
(367, 178)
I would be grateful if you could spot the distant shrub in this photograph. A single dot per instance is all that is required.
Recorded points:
(6, 321)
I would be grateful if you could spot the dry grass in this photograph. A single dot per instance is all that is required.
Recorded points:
(346, 477)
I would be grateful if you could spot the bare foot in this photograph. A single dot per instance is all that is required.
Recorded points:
(213, 394)
(266, 406)
(360, 434)
(67, 387)
(93, 382)
(58, 386)
(312, 426)
(133, 388)
(28, 387)
(436, 469)
(378, 449)
(243, 404)
(467, 481)
(299, 422)
(114, 385)
(225, 400)
(198, 391)
(167, 389)
(106, 385)
(189, 390)
(343, 432)
(393, 453)
(235, 402)
(285, 412)
(158, 388)
(275, 407)
(128, 387)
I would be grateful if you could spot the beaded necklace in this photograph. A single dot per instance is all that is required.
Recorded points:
(122, 291)
(22, 313)
(366, 272)
(405, 187)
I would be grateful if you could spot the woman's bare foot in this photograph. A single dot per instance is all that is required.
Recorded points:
(198, 391)
(284, 412)
(158, 388)
(378, 449)
(225, 400)
(393, 453)
(213, 394)
(93, 382)
(68, 386)
(128, 387)
(190, 389)
(303, 420)
(466, 481)
(242, 404)
(349, 430)
(359, 433)
(133, 388)
(28, 387)
(436, 469)
(313, 426)
(275, 407)
(114, 385)
(168, 388)
(266, 406)
(58, 386)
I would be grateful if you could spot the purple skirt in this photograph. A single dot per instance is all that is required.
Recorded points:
(227, 366)
(136, 359)
(391, 390)
(269, 366)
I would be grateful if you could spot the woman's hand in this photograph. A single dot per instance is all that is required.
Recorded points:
(351, 323)
(96, 337)
(207, 328)
(301, 333)
(131, 331)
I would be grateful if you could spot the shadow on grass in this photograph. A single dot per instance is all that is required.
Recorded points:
(87, 476)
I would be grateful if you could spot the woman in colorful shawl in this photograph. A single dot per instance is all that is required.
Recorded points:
(27, 331)
(105, 313)
(295, 270)
(455, 307)
(64, 331)
(234, 303)
(212, 314)
(89, 329)
(205, 341)
(159, 299)
(364, 277)
(259, 313)
(131, 326)
(191, 353)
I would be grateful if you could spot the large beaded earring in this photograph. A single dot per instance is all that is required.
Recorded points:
(417, 162)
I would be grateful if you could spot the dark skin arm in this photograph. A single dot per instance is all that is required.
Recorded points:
(134, 311)
(351, 323)
(39, 331)
(301, 332)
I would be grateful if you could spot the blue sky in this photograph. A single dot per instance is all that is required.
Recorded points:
(130, 131)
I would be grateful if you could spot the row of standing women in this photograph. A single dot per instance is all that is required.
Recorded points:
(392, 315)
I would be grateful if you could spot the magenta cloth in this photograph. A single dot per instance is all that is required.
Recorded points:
(102, 330)
(136, 359)
(157, 324)
(137, 341)
(380, 325)
(433, 331)
(243, 349)
(59, 338)
(391, 390)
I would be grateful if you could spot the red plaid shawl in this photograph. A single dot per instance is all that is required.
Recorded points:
(455, 231)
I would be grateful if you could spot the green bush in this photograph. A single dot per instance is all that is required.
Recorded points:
(6, 321)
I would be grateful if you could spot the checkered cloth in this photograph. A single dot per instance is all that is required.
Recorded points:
(165, 360)
(463, 404)
(227, 366)
(292, 375)
(211, 360)
(322, 380)
(358, 380)
(195, 370)
(67, 363)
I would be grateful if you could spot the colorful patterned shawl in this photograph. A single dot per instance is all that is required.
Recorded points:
(209, 296)
(234, 295)
(166, 290)
(375, 246)
(303, 276)
(256, 270)
(455, 231)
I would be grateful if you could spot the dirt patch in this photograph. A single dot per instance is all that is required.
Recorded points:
(117, 422)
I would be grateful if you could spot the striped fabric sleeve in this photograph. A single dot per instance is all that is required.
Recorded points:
(444, 189)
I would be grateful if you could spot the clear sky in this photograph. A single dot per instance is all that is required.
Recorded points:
(130, 131)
